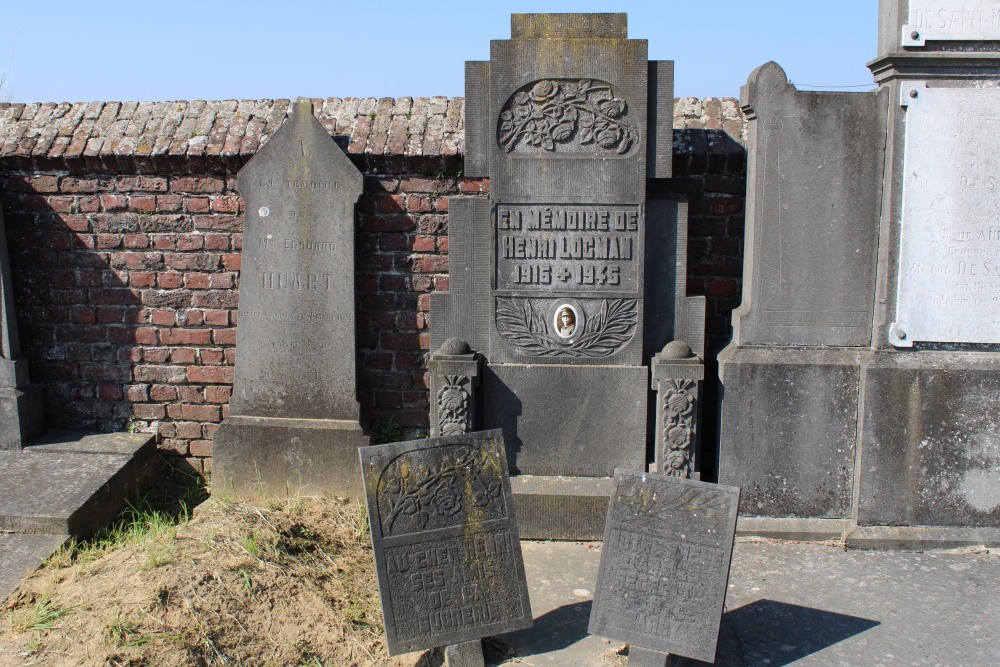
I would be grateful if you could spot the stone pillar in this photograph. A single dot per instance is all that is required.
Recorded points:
(454, 378)
(21, 413)
(677, 376)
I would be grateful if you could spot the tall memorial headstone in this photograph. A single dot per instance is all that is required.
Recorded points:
(566, 280)
(21, 414)
(447, 552)
(293, 423)
(664, 570)
(863, 378)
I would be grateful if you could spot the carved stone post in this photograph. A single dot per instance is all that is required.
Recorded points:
(454, 377)
(677, 376)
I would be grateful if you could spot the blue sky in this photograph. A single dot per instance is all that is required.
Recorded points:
(74, 51)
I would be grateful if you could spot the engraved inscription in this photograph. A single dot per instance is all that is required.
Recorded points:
(297, 184)
(949, 257)
(451, 584)
(567, 116)
(955, 20)
(665, 563)
(568, 247)
(306, 282)
(270, 243)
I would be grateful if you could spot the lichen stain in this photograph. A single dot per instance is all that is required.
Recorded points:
(981, 488)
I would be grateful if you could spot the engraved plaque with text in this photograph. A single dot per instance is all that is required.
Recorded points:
(952, 20)
(664, 567)
(949, 254)
(295, 339)
(446, 541)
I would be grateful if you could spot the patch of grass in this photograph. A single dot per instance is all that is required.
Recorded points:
(154, 514)
(38, 614)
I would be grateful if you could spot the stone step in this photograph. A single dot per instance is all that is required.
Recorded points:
(67, 483)
(71, 483)
(20, 555)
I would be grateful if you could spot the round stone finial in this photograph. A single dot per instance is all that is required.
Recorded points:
(454, 346)
(677, 349)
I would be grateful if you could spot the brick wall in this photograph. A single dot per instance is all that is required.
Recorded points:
(124, 232)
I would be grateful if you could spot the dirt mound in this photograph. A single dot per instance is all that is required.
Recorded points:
(289, 583)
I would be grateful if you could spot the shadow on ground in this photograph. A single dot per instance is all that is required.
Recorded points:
(772, 633)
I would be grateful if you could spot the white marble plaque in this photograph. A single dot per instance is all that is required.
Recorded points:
(952, 20)
(949, 251)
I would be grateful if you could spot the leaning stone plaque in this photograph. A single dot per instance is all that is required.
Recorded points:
(664, 568)
(446, 542)
(951, 21)
(949, 251)
(294, 412)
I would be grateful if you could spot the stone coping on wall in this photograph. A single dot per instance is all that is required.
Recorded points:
(408, 134)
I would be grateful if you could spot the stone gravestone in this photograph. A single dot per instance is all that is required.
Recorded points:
(664, 567)
(293, 421)
(21, 414)
(446, 543)
(862, 382)
(565, 281)
(791, 375)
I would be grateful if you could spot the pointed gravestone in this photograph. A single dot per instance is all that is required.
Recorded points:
(21, 414)
(293, 423)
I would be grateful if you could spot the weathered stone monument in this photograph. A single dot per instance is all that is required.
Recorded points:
(862, 381)
(21, 413)
(446, 543)
(664, 567)
(566, 281)
(293, 423)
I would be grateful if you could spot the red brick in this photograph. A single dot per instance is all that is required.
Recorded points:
(169, 280)
(185, 336)
(424, 243)
(197, 204)
(201, 448)
(136, 241)
(149, 411)
(142, 279)
(109, 241)
(210, 357)
(160, 374)
(225, 204)
(474, 185)
(210, 374)
(143, 203)
(188, 242)
(163, 392)
(197, 184)
(430, 263)
(388, 223)
(231, 262)
(112, 202)
(218, 393)
(188, 430)
(163, 318)
(400, 341)
(169, 203)
(197, 281)
(216, 241)
(224, 337)
(137, 393)
(201, 413)
(141, 184)
(183, 355)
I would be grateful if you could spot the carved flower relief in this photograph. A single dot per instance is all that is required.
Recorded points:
(677, 401)
(566, 114)
(453, 406)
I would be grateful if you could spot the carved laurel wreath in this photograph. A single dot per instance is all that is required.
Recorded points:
(576, 113)
(605, 333)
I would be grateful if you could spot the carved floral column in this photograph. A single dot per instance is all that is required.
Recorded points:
(677, 376)
(454, 378)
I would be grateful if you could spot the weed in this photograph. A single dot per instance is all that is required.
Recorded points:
(42, 613)
(387, 430)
